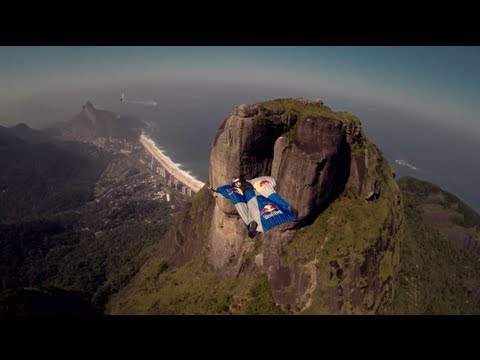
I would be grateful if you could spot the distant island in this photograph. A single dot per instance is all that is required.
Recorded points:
(404, 163)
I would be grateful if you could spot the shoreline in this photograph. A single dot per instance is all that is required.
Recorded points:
(173, 168)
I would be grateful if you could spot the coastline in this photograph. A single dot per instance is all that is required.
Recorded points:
(174, 169)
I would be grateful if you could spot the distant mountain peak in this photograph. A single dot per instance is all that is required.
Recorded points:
(92, 122)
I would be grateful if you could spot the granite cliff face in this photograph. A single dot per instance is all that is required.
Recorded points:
(342, 258)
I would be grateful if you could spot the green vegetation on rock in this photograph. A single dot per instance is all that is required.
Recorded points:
(341, 241)
(195, 287)
(437, 275)
(309, 108)
(346, 261)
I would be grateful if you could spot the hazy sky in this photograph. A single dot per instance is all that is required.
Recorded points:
(442, 82)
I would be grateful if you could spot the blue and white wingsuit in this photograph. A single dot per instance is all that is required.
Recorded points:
(259, 203)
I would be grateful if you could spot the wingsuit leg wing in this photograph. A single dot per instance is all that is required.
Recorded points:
(245, 203)
(253, 210)
(274, 210)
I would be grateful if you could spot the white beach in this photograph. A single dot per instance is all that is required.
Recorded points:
(174, 169)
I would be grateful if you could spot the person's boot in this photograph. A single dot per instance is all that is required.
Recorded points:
(252, 229)
(293, 211)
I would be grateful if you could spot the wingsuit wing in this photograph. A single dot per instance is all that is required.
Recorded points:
(272, 213)
(265, 185)
(274, 210)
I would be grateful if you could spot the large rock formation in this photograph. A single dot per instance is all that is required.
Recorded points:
(343, 258)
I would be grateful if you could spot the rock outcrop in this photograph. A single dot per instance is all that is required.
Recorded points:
(343, 257)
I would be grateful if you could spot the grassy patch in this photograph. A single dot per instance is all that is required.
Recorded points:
(191, 289)
(301, 109)
(262, 300)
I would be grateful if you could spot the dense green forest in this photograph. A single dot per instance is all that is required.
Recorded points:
(438, 273)
(40, 179)
(99, 263)
(59, 237)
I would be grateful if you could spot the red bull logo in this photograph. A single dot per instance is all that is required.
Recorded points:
(269, 211)
(264, 182)
(268, 208)
(235, 190)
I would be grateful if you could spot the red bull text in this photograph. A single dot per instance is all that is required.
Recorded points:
(269, 211)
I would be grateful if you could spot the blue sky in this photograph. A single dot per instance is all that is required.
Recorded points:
(442, 82)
